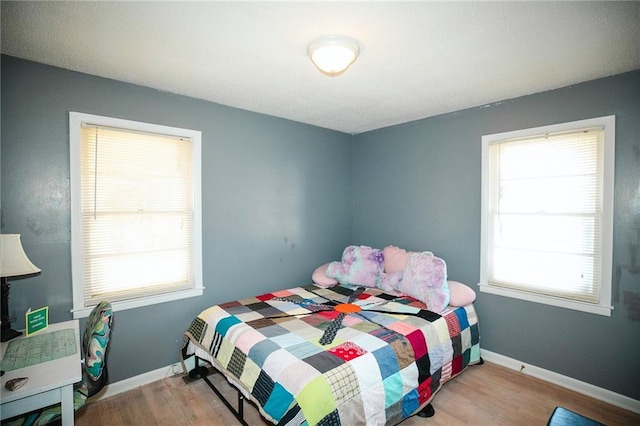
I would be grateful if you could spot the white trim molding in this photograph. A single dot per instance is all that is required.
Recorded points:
(584, 388)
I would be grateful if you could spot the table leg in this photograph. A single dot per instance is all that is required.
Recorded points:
(66, 397)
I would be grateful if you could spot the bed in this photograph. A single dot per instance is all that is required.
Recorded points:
(339, 355)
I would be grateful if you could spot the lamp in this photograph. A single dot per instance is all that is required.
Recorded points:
(333, 54)
(13, 263)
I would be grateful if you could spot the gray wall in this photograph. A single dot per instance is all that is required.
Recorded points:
(277, 200)
(417, 186)
(280, 198)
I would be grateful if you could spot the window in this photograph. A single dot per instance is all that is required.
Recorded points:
(547, 214)
(135, 213)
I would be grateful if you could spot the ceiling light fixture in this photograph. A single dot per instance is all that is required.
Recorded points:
(333, 54)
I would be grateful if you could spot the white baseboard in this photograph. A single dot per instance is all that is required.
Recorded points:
(513, 364)
(117, 388)
(590, 390)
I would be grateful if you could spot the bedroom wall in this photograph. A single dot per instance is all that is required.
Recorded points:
(417, 186)
(277, 199)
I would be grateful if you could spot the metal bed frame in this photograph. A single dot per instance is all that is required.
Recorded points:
(201, 372)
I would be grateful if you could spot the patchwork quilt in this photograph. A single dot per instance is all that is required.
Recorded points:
(343, 355)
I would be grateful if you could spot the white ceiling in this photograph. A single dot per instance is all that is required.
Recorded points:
(418, 59)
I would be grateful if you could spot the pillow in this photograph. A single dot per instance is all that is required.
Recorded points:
(425, 279)
(320, 278)
(461, 294)
(395, 259)
(359, 266)
(390, 282)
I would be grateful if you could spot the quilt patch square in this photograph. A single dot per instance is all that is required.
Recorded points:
(424, 368)
(475, 334)
(387, 362)
(419, 345)
(332, 419)
(270, 312)
(283, 293)
(410, 403)
(262, 388)
(260, 323)
(368, 342)
(393, 389)
(453, 324)
(316, 409)
(314, 320)
(456, 344)
(366, 327)
(278, 402)
(250, 374)
(288, 339)
(324, 361)
(368, 374)
(274, 331)
(428, 315)
(456, 365)
(394, 413)
(258, 306)
(424, 390)
(404, 353)
(352, 412)
(248, 315)
(261, 350)
(343, 382)
(463, 321)
(297, 375)
(238, 309)
(197, 328)
(385, 334)
(246, 340)
(225, 324)
(347, 351)
(304, 350)
(402, 327)
(236, 363)
(262, 298)
(231, 305)
(436, 379)
(277, 361)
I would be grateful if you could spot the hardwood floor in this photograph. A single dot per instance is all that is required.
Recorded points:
(483, 395)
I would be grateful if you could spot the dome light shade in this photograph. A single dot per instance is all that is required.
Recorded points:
(333, 54)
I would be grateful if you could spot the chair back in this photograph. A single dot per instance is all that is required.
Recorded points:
(95, 341)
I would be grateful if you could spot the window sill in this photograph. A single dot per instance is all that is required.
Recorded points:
(143, 301)
(548, 300)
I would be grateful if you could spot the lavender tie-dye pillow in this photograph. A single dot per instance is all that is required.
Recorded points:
(360, 265)
(425, 279)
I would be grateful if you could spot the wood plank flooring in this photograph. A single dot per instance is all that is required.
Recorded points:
(483, 395)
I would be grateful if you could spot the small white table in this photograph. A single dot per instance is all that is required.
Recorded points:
(49, 382)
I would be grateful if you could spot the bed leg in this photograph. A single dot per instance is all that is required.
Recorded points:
(427, 411)
(199, 371)
(481, 361)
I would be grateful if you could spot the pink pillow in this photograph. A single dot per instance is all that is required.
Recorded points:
(461, 294)
(395, 259)
(321, 279)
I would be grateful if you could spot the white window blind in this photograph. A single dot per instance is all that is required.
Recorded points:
(136, 214)
(546, 218)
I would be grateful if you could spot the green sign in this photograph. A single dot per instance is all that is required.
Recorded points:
(37, 320)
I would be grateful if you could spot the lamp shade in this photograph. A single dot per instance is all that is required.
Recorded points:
(13, 260)
(333, 54)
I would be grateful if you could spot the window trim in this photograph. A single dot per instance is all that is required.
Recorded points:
(603, 306)
(75, 122)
